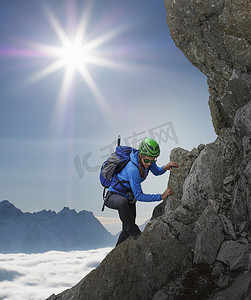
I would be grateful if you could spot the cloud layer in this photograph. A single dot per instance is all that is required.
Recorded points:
(37, 276)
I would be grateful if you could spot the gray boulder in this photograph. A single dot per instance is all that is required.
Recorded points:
(205, 179)
(209, 231)
(181, 223)
(184, 159)
(228, 227)
(239, 289)
(235, 254)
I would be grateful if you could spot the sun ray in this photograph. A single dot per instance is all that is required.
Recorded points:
(53, 67)
(63, 97)
(65, 87)
(105, 62)
(105, 38)
(94, 88)
(46, 50)
(82, 26)
(57, 27)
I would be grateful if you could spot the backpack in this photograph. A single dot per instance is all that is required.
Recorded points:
(114, 164)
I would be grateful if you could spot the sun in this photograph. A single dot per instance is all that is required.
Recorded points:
(73, 55)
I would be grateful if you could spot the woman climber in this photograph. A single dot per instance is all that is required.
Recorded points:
(126, 189)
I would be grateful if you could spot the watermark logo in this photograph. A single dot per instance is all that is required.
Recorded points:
(161, 134)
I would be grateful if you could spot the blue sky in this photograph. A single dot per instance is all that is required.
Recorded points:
(56, 122)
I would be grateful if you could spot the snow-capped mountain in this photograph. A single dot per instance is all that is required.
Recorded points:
(48, 230)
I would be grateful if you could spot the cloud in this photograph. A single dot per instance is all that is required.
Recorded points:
(8, 275)
(37, 276)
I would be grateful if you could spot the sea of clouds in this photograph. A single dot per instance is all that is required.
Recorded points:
(37, 276)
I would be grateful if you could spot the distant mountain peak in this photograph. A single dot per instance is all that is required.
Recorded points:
(5, 202)
(67, 211)
(66, 208)
(8, 210)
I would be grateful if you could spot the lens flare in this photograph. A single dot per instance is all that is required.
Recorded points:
(73, 55)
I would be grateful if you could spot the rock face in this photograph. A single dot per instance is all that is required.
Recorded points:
(198, 243)
(134, 270)
(215, 36)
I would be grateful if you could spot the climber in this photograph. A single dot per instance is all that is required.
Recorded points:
(123, 194)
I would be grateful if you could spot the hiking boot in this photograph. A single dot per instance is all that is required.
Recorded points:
(135, 237)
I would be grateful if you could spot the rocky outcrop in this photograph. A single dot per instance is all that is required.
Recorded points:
(216, 197)
(215, 36)
(198, 243)
(134, 270)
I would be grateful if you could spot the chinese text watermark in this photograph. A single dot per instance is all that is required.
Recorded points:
(161, 134)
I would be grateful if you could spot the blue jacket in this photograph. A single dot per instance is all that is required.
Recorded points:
(131, 174)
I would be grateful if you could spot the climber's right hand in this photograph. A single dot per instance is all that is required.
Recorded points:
(167, 192)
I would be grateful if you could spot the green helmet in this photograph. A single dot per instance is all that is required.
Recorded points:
(149, 147)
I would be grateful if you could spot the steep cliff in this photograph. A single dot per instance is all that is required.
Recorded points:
(198, 244)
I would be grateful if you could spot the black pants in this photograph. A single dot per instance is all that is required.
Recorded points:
(127, 214)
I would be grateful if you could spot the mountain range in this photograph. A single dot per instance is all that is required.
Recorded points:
(47, 230)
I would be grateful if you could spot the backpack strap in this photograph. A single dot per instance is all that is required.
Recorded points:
(104, 194)
(124, 188)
